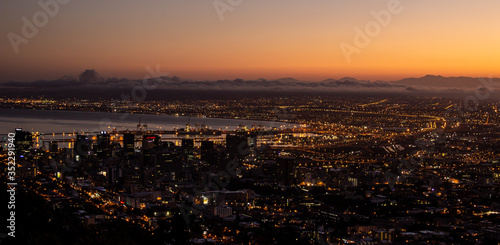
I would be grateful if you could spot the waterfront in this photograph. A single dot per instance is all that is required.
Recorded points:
(45, 121)
(64, 125)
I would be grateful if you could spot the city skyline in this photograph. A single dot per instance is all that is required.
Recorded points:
(250, 122)
(345, 169)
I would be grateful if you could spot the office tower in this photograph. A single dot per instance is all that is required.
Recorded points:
(168, 164)
(285, 170)
(237, 145)
(54, 147)
(149, 144)
(208, 153)
(150, 141)
(23, 141)
(128, 144)
(40, 158)
(82, 147)
(188, 149)
(252, 142)
(114, 175)
(103, 145)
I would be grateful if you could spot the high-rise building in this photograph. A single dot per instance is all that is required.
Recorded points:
(129, 143)
(23, 141)
(103, 145)
(188, 149)
(168, 164)
(285, 170)
(150, 141)
(237, 145)
(114, 175)
(252, 142)
(54, 148)
(149, 144)
(82, 147)
(40, 158)
(208, 152)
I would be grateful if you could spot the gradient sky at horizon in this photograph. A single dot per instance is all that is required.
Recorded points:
(258, 39)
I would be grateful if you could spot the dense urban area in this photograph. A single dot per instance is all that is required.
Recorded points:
(354, 170)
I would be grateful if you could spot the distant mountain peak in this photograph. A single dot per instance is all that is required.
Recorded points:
(328, 80)
(348, 79)
(287, 79)
(433, 76)
(441, 81)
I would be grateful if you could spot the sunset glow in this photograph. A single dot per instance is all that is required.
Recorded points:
(257, 38)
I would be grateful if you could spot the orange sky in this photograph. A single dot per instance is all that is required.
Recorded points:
(258, 38)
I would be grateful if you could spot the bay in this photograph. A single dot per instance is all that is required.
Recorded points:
(55, 121)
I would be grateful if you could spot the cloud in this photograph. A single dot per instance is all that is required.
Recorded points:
(89, 76)
(445, 82)
(90, 83)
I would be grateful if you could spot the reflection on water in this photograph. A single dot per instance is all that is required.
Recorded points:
(77, 121)
(61, 125)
